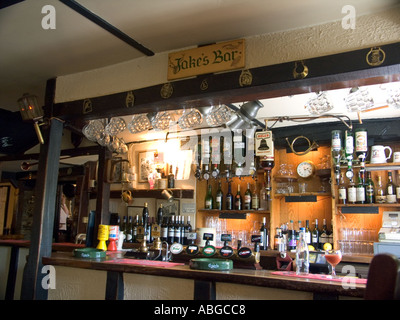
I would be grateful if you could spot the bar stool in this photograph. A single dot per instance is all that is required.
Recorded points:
(383, 278)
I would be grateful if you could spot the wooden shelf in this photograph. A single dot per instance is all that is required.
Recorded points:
(150, 193)
(370, 205)
(282, 195)
(232, 211)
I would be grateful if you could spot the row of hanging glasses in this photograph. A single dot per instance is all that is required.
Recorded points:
(105, 134)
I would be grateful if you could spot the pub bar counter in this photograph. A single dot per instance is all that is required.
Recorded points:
(281, 177)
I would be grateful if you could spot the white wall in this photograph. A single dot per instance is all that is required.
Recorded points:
(262, 50)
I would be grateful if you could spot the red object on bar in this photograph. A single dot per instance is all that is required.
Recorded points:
(319, 277)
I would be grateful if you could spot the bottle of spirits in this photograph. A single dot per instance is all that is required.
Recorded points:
(315, 236)
(342, 190)
(171, 178)
(247, 198)
(160, 214)
(323, 238)
(209, 199)
(361, 142)
(308, 232)
(263, 198)
(229, 198)
(349, 149)
(360, 192)
(390, 189)
(380, 195)
(336, 150)
(255, 200)
(219, 197)
(123, 226)
(238, 199)
(129, 230)
(302, 254)
(351, 192)
(135, 228)
(369, 189)
(264, 243)
(291, 233)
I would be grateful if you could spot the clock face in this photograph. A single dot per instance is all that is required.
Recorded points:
(305, 169)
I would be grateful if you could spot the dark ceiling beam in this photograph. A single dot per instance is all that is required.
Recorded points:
(344, 70)
(106, 26)
(7, 3)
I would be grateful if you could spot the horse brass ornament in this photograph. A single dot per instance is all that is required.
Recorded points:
(302, 74)
(375, 56)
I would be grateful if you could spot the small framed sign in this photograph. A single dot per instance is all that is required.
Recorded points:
(218, 57)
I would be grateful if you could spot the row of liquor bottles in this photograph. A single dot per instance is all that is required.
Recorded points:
(172, 228)
(252, 199)
(366, 191)
(287, 236)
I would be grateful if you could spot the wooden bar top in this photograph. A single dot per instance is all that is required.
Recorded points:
(264, 278)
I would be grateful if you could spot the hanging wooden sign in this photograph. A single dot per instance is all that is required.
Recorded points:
(208, 59)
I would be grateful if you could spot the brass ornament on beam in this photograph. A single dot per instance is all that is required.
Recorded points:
(245, 78)
(166, 90)
(87, 106)
(130, 99)
(375, 57)
(204, 85)
(302, 74)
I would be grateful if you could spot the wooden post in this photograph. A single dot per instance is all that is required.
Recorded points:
(45, 201)
(43, 216)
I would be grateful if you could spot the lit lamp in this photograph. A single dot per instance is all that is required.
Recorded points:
(30, 111)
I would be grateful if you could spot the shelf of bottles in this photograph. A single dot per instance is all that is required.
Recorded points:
(361, 184)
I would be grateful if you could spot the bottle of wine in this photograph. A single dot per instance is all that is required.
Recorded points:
(164, 230)
(390, 189)
(247, 198)
(209, 198)
(380, 195)
(160, 214)
(264, 243)
(308, 232)
(229, 198)
(219, 197)
(171, 230)
(187, 230)
(315, 236)
(369, 189)
(360, 192)
(178, 230)
(238, 199)
(342, 190)
(255, 200)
